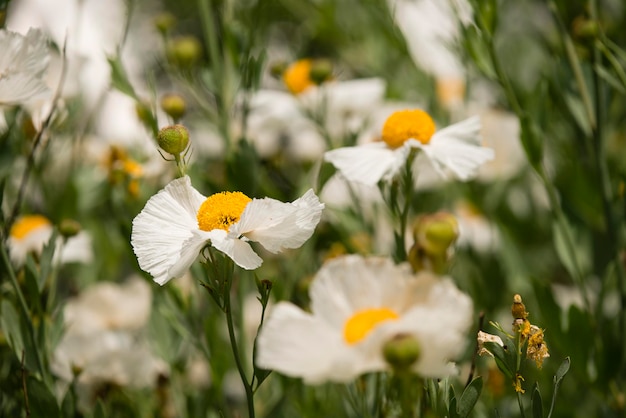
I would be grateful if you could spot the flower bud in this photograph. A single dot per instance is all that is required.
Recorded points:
(173, 139)
(321, 70)
(174, 105)
(69, 228)
(184, 51)
(277, 69)
(584, 29)
(518, 309)
(144, 113)
(436, 233)
(164, 22)
(401, 352)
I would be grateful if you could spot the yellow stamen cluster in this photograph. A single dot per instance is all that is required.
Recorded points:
(363, 322)
(27, 224)
(537, 349)
(297, 77)
(408, 124)
(221, 210)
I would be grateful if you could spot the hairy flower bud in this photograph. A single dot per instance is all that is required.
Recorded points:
(401, 352)
(184, 51)
(436, 233)
(69, 228)
(174, 105)
(173, 139)
(164, 22)
(321, 71)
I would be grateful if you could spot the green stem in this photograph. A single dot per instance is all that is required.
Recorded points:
(233, 344)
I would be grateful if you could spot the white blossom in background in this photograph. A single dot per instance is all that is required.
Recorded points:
(23, 62)
(30, 233)
(282, 122)
(103, 339)
(357, 305)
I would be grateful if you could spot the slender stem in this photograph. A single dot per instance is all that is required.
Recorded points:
(26, 404)
(233, 344)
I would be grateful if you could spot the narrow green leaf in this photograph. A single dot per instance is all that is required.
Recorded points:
(45, 265)
(452, 410)
(119, 78)
(470, 397)
(502, 358)
(10, 324)
(41, 401)
(562, 370)
(537, 404)
(610, 79)
(100, 410)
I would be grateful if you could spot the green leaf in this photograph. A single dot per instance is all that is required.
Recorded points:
(470, 397)
(537, 404)
(452, 410)
(100, 410)
(42, 402)
(558, 377)
(119, 78)
(531, 142)
(502, 358)
(45, 265)
(477, 47)
(10, 323)
(564, 237)
(609, 78)
(577, 109)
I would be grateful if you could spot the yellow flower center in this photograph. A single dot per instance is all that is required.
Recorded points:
(363, 322)
(221, 210)
(407, 124)
(297, 77)
(27, 224)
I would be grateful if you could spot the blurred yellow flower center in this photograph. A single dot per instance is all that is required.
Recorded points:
(27, 224)
(297, 77)
(407, 124)
(363, 322)
(221, 210)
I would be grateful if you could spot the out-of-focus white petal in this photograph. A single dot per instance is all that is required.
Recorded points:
(457, 148)
(277, 225)
(296, 344)
(369, 163)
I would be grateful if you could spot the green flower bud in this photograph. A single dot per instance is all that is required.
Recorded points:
(184, 51)
(401, 352)
(321, 71)
(173, 139)
(436, 233)
(277, 69)
(174, 105)
(144, 113)
(164, 22)
(69, 228)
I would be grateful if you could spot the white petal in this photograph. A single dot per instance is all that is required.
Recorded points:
(368, 163)
(277, 225)
(294, 343)
(238, 250)
(21, 87)
(164, 225)
(348, 284)
(457, 148)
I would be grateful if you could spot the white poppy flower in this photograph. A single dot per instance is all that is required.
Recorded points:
(30, 233)
(23, 61)
(178, 222)
(357, 305)
(455, 148)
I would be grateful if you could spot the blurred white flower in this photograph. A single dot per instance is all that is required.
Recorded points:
(30, 233)
(281, 122)
(103, 337)
(455, 148)
(23, 61)
(178, 222)
(501, 132)
(430, 29)
(475, 230)
(357, 305)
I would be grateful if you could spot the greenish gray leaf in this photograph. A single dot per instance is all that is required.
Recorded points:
(502, 358)
(610, 78)
(536, 402)
(119, 78)
(42, 402)
(470, 397)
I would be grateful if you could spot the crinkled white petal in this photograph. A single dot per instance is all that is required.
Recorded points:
(277, 225)
(369, 163)
(34, 242)
(297, 344)
(237, 249)
(457, 148)
(166, 225)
